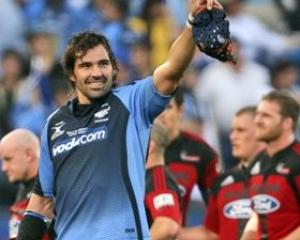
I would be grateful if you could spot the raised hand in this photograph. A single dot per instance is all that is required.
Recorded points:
(199, 5)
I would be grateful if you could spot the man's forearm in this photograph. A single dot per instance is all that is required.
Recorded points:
(167, 76)
(181, 54)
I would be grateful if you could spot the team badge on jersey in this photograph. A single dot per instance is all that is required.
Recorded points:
(100, 116)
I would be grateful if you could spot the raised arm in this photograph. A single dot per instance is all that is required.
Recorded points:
(166, 76)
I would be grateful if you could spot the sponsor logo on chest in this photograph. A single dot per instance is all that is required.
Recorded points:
(265, 204)
(238, 209)
(91, 135)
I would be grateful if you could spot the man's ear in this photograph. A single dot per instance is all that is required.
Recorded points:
(288, 123)
(29, 153)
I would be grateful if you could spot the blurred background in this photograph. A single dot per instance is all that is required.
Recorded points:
(266, 39)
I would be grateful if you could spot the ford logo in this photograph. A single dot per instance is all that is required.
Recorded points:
(238, 209)
(264, 203)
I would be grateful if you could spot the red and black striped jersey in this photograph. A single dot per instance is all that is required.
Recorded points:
(274, 188)
(229, 206)
(162, 197)
(193, 162)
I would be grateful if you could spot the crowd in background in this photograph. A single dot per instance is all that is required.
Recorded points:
(265, 34)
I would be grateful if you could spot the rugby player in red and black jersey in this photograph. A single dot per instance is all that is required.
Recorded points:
(20, 152)
(162, 199)
(229, 205)
(275, 173)
(191, 160)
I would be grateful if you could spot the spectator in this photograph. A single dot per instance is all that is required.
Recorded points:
(12, 25)
(291, 13)
(223, 86)
(14, 72)
(257, 41)
(285, 76)
(35, 100)
(161, 28)
(140, 58)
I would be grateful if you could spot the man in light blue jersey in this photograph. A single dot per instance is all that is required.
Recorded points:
(93, 149)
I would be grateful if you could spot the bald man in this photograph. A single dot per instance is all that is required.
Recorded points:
(20, 153)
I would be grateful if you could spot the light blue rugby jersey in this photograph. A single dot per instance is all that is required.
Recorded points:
(94, 166)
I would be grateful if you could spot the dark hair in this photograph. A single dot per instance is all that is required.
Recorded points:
(78, 47)
(289, 107)
(248, 109)
(24, 63)
(281, 66)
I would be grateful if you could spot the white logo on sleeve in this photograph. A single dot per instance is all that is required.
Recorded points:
(264, 203)
(163, 200)
(189, 157)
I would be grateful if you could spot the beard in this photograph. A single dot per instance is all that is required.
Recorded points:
(268, 135)
(91, 91)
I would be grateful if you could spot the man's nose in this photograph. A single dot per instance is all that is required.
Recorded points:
(96, 71)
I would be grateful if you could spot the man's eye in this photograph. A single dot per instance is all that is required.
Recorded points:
(84, 65)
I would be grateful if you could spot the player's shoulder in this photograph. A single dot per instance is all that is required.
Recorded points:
(227, 178)
(292, 160)
(60, 112)
(193, 138)
(132, 84)
(197, 143)
(296, 148)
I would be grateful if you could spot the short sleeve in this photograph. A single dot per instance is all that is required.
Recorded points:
(143, 100)
(44, 183)
(163, 204)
